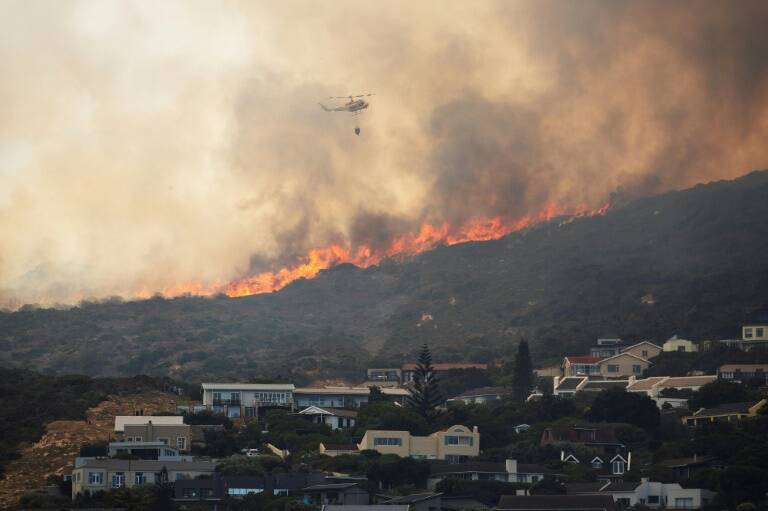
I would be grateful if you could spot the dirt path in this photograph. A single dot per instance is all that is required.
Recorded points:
(56, 451)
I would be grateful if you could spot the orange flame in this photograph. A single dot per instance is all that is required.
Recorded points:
(429, 236)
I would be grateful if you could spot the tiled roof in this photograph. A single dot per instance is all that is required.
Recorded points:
(611, 487)
(583, 360)
(685, 462)
(556, 502)
(745, 368)
(689, 381)
(646, 384)
(602, 435)
(340, 447)
(598, 385)
(582, 488)
(570, 382)
(727, 409)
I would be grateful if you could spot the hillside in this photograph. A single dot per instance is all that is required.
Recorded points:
(690, 262)
(55, 452)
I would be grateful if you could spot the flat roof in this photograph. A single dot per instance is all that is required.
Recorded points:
(357, 391)
(141, 420)
(249, 386)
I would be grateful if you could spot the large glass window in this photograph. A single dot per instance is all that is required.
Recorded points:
(747, 333)
(684, 502)
(459, 440)
(637, 369)
(612, 368)
(233, 411)
(118, 480)
(139, 478)
(653, 499)
(387, 441)
(238, 492)
(95, 478)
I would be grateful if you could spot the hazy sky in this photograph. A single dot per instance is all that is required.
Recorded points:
(147, 144)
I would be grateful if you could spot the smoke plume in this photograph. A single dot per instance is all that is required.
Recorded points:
(176, 146)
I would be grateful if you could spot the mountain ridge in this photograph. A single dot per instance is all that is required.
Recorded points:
(684, 262)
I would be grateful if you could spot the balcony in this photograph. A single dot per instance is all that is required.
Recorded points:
(230, 402)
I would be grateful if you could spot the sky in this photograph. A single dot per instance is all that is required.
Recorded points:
(149, 146)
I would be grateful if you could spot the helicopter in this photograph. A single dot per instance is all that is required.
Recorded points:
(355, 106)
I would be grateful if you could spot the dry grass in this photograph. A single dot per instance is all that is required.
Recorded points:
(55, 452)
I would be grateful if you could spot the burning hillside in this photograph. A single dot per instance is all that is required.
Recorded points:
(428, 237)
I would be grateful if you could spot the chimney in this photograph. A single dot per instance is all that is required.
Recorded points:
(475, 431)
(511, 466)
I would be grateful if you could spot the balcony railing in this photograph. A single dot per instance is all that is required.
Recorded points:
(233, 402)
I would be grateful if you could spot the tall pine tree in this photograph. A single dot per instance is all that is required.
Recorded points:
(425, 395)
(522, 375)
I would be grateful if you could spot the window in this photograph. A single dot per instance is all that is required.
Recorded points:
(618, 467)
(216, 397)
(95, 478)
(623, 502)
(129, 439)
(747, 333)
(233, 411)
(234, 398)
(139, 478)
(235, 492)
(653, 499)
(164, 441)
(684, 503)
(455, 458)
(645, 353)
(681, 348)
(637, 369)
(613, 368)
(250, 411)
(181, 443)
(459, 440)
(759, 332)
(137, 439)
(534, 479)
(597, 464)
(118, 480)
(190, 493)
(387, 441)
(280, 493)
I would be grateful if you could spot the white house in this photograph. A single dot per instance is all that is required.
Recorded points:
(244, 399)
(335, 418)
(657, 495)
